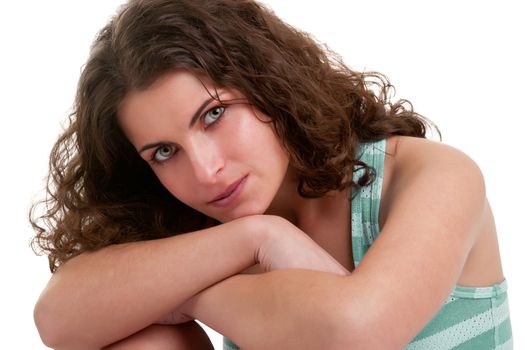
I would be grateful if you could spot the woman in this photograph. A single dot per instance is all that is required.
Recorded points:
(208, 139)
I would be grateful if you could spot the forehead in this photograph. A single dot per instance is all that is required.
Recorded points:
(175, 95)
(179, 85)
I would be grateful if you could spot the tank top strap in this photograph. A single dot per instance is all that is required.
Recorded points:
(366, 200)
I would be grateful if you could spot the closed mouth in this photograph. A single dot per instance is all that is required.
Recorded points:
(229, 191)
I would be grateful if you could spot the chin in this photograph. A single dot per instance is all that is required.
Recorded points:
(239, 213)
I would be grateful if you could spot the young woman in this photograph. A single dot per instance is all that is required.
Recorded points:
(221, 166)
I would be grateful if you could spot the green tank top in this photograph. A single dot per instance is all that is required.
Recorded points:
(470, 319)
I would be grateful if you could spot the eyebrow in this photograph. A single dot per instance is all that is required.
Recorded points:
(199, 111)
(153, 145)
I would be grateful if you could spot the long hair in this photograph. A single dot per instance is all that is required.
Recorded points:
(100, 192)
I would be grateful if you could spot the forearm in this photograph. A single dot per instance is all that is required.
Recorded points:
(289, 309)
(100, 297)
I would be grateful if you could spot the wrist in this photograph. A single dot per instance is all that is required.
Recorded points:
(271, 232)
(257, 231)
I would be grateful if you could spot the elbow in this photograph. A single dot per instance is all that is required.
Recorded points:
(47, 325)
(57, 324)
(364, 327)
(52, 329)
(350, 331)
(52, 336)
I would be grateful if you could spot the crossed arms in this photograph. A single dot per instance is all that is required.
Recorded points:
(304, 302)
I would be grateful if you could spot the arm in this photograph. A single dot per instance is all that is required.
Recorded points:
(102, 297)
(98, 298)
(283, 309)
(436, 206)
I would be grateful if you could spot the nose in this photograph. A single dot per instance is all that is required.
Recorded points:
(206, 160)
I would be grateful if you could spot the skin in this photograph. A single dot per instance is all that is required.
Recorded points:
(185, 336)
(453, 238)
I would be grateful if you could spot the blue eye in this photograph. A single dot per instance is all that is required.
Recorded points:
(164, 153)
(213, 115)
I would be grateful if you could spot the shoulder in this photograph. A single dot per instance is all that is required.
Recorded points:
(432, 209)
(434, 172)
(412, 153)
(411, 158)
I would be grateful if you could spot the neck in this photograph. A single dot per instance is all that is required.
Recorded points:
(303, 212)
(287, 202)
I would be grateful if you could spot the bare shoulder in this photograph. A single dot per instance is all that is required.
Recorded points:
(412, 158)
(431, 170)
(432, 212)
(455, 185)
(412, 153)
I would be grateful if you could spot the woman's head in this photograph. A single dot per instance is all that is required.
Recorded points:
(212, 151)
(102, 192)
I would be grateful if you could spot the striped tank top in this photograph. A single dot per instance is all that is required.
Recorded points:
(470, 319)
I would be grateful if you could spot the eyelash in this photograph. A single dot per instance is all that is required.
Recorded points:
(206, 126)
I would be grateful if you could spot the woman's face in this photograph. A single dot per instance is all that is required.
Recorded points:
(220, 159)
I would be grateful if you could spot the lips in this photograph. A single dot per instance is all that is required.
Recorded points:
(230, 191)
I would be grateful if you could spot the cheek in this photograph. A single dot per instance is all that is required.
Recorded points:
(254, 137)
(174, 181)
(267, 145)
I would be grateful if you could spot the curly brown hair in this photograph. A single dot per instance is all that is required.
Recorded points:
(99, 190)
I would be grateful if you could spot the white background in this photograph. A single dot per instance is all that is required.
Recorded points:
(462, 64)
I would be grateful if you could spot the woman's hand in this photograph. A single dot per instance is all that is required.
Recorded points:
(285, 246)
(282, 245)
